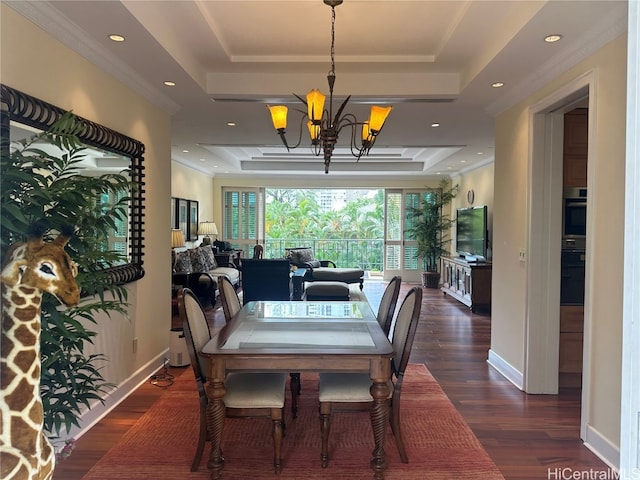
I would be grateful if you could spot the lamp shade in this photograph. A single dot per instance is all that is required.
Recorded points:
(279, 116)
(377, 118)
(315, 105)
(208, 228)
(314, 132)
(177, 238)
(366, 133)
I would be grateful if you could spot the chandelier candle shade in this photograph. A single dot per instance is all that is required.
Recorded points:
(323, 127)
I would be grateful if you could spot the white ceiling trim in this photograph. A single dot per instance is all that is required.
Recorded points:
(71, 35)
(371, 168)
(590, 41)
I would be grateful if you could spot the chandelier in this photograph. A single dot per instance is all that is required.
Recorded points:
(323, 127)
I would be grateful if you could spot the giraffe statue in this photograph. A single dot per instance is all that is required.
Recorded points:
(30, 269)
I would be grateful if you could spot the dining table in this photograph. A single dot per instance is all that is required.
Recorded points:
(293, 336)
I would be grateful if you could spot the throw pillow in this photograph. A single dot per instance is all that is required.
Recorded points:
(198, 261)
(304, 255)
(183, 263)
(209, 257)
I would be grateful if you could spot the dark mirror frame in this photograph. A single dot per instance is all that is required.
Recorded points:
(22, 108)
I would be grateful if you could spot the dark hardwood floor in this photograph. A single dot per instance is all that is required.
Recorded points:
(529, 437)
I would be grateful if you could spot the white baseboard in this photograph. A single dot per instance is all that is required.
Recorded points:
(506, 369)
(98, 410)
(602, 448)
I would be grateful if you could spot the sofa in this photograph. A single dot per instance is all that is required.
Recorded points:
(197, 269)
(322, 270)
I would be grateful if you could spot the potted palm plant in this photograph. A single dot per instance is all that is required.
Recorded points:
(42, 183)
(430, 225)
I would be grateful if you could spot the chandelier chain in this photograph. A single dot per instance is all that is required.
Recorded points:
(324, 128)
(333, 23)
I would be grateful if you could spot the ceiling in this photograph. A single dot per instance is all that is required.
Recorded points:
(434, 61)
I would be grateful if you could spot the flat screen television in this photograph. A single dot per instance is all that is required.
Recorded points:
(471, 232)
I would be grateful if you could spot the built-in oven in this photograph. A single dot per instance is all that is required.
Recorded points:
(572, 276)
(574, 217)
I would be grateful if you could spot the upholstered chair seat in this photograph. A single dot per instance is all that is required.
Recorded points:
(255, 390)
(347, 388)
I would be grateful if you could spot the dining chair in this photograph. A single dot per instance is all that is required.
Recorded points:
(258, 251)
(387, 306)
(228, 298)
(352, 389)
(230, 306)
(247, 394)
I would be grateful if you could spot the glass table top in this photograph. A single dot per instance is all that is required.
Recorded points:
(302, 326)
(267, 311)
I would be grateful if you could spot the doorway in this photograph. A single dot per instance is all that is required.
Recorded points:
(572, 263)
(400, 249)
(545, 192)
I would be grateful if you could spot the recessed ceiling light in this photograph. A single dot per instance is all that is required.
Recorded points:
(231, 124)
(436, 124)
(202, 159)
(497, 84)
(553, 38)
(479, 153)
(169, 83)
(185, 151)
(116, 38)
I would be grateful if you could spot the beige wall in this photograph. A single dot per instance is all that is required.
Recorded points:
(606, 182)
(480, 181)
(39, 65)
(193, 185)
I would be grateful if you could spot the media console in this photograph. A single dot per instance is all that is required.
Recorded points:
(467, 282)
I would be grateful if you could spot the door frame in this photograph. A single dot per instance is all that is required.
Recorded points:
(630, 394)
(544, 211)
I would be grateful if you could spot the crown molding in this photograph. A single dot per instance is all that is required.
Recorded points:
(49, 19)
(591, 40)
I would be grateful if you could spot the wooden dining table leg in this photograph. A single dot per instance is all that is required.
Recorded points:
(215, 423)
(379, 420)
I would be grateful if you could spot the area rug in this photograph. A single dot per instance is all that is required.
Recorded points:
(439, 443)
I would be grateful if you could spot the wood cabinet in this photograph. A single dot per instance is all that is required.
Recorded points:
(576, 143)
(469, 283)
(571, 339)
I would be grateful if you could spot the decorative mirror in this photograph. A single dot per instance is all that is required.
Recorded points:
(22, 111)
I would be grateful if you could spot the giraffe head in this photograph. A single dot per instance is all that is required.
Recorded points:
(44, 266)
